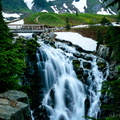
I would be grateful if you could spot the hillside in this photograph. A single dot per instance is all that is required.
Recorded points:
(71, 6)
(58, 6)
(16, 6)
(53, 19)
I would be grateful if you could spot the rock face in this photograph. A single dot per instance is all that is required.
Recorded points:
(14, 106)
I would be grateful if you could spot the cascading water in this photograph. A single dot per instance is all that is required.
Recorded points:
(65, 96)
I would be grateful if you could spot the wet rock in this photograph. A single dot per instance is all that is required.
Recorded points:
(11, 108)
(69, 43)
(87, 57)
(76, 63)
(104, 52)
(87, 105)
(101, 64)
(87, 65)
(46, 41)
(78, 55)
(62, 117)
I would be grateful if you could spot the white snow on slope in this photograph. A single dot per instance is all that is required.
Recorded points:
(18, 22)
(77, 39)
(103, 12)
(55, 9)
(7, 15)
(80, 5)
(65, 6)
(29, 3)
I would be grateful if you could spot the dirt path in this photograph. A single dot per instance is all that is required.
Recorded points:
(36, 19)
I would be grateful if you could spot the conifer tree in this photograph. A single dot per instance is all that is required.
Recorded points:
(99, 39)
(67, 24)
(11, 58)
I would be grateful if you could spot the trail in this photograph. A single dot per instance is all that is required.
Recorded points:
(36, 19)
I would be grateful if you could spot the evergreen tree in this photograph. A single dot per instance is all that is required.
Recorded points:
(77, 13)
(118, 19)
(67, 24)
(105, 21)
(11, 58)
(99, 39)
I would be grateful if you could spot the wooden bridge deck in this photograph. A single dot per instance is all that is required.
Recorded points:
(29, 28)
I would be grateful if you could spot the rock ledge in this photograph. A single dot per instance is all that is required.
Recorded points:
(14, 106)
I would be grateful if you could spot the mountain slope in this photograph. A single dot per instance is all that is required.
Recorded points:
(25, 7)
(14, 6)
(71, 6)
(53, 19)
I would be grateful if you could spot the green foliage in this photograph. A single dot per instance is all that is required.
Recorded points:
(99, 39)
(112, 88)
(105, 21)
(113, 41)
(118, 19)
(67, 24)
(11, 58)
(31, 46)
(15, 6)
(53, 19)
(77, 13)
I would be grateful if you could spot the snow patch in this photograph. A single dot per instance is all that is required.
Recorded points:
(18, 22)
(103, 12)
(80, 5)
(44, 11)
(7, 15)
(65, 6)
(77, 39)
(55, 9)
(80, 26)
(29, 3)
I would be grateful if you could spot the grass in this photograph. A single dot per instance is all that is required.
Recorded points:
(53, 19)
(92, 31)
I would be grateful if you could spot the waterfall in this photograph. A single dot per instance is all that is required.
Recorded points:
(67, 97)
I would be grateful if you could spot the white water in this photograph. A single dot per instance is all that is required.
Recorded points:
(65, 95)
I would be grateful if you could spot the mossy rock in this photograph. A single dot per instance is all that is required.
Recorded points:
(101, 64)
(87, 65)
(76, 63)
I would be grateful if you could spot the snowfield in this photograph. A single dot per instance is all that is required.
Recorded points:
(80, 5)
(29, 3)
(77, 39)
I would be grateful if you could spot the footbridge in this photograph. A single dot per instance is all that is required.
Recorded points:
(29, 28)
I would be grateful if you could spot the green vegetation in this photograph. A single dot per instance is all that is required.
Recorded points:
(105, 21)
(15, 6)
(113, 41)
(67, 25)
(11, 58)
(112, 89)
(53, 19)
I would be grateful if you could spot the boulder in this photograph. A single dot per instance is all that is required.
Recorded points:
(104, 52)
(101, 63)
(11, 107)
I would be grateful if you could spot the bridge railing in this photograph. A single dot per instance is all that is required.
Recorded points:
(30, 28)
(26, 26)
